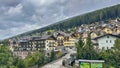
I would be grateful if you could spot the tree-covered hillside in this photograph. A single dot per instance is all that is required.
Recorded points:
(96, 16)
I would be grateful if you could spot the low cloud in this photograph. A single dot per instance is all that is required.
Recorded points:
(18, 16)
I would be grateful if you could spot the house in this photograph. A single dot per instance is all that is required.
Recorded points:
(43, 44)
(69, 40)
(13, 43)
(49, 41)
(93, 34)
(77, 35)
(107, 30)
(106, 41)
(60, 39)
(23, 49)
(46, 42)
(36, 43)
(23, 44)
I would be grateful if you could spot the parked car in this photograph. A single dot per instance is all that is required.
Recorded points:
(71, 61)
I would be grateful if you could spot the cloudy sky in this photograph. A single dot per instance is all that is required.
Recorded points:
(18, 16)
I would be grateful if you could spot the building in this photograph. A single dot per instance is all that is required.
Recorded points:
(93, 34)
(13, 43)
(45, 44)
(36, 43)
(22, 53)
(118, 30)
(77, 35)
(60, 39)
(106, 41)
(49, 41)
(108, 30)
(70, 40)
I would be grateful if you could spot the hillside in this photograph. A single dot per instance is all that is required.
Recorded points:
(96, 16)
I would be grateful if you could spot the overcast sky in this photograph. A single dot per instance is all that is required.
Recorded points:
(18, 16)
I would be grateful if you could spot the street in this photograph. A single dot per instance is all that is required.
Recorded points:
(58, 63)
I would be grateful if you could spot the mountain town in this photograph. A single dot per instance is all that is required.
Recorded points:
(91, 40)
(103, 36)
(59, 40)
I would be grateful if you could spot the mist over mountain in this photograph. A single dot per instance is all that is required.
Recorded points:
(104, 14)
(19, 16)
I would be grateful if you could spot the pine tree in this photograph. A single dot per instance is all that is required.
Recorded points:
(89, 51)
(116, 53)
(79, 47)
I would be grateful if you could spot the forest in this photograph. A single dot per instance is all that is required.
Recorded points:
(104, 14)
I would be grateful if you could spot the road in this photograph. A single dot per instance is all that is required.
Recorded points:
(58, 63)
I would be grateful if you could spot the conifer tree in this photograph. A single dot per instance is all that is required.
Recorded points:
(79, 47)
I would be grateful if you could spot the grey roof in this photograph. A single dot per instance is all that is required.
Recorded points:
(45, 37)
(106, 35)
(60, 32)
(23, 40)
(35, 38)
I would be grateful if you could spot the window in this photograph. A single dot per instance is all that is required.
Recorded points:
(107, 36)
(106, 41)
(110, 41)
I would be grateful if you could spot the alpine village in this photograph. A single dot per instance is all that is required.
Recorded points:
(91, 40)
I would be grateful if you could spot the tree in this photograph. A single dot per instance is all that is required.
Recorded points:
(32, 59)
(21, 64)
(79, 47)
(89, 51)
(111, 56)
(86, 51)
(117, 44)
(41, 60)
(53, 56)
(7, 60)
(116, 53)
(5, 42)
(5, 55)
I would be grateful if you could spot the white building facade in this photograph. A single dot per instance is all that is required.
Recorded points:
(106, 41)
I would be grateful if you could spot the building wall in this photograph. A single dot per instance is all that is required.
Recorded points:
(106, 41)
(60, 40)
(22, 54)
(70, 42)
(50, 45)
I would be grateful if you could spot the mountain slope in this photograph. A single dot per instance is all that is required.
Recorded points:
(99, 15)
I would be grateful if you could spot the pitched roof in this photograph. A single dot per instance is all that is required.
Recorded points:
(23, 40)
(107, 35)
(35, 38)
(47, 37)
